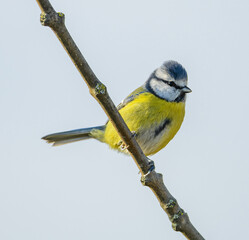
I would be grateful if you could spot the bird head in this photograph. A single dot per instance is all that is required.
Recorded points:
(169, 82)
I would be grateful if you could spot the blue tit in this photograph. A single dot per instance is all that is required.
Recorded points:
(154, 112)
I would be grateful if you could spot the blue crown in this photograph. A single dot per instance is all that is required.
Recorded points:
(175, 70)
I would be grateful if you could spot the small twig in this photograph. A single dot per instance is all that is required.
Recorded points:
(180, 220)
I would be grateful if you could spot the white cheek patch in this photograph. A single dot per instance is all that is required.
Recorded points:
(163, 90)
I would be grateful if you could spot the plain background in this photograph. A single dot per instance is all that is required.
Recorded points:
(86, 191)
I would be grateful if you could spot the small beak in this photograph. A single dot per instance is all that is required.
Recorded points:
(186, 89)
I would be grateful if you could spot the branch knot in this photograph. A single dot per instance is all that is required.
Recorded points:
(52, 19)
(178, 220)
(100, 89)
(170, 204)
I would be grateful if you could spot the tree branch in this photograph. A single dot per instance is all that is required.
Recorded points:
(180, 220)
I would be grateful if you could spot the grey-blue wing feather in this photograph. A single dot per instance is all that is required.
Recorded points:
(132, 96)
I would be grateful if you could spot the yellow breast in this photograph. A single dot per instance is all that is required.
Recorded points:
(144, 115)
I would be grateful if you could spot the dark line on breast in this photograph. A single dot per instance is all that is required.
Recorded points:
(162, 127)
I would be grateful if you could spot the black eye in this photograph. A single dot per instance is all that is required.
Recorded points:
(172, 84)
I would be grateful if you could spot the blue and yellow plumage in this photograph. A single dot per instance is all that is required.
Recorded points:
(154, 113)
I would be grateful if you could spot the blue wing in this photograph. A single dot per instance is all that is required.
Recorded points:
(132, 96)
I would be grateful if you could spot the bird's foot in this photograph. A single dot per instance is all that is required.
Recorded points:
(151, 166)
(122, 145)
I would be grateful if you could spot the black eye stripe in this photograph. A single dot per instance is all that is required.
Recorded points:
(172, 84)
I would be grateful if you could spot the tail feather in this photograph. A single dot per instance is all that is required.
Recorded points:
(61, 138)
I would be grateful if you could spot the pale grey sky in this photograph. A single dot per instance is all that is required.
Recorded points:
(86, 191)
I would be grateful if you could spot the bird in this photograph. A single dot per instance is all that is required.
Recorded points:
(153, 112)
